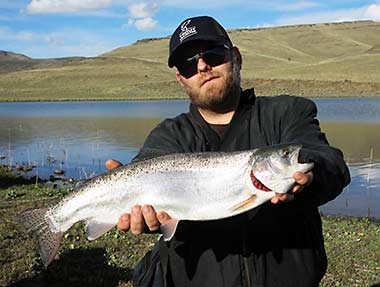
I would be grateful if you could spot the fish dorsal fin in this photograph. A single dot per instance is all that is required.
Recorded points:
(245, 204)
(168, 229)
(95, 229)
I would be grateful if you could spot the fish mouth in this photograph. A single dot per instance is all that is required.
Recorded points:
(257, 183)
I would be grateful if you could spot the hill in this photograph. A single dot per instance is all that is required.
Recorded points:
(340, 59)
(12, 62)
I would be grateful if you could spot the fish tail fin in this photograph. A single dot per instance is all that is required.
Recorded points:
(37, 226)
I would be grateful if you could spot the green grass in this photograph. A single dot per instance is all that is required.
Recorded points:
(329, 60)
(353, 247)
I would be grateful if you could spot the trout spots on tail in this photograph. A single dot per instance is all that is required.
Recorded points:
(36, 225)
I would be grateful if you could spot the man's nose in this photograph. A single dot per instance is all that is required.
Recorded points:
(202, 65)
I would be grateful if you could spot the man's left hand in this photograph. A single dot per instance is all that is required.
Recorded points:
(302, 181)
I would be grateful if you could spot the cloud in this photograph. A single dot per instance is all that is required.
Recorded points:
(371, 12)
(66, 42)
(146, 24)
(65, 6)
(143, 10)
(142, 16)
(22, 36)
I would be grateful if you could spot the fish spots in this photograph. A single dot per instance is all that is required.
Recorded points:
(257, 183)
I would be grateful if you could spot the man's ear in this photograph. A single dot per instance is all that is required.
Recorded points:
(178, 77)
(238, 55)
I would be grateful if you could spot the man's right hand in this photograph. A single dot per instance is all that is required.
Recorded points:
(142, 218)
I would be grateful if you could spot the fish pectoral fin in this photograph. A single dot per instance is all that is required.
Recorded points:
(95, 229)
(244, 205)
(168, 229)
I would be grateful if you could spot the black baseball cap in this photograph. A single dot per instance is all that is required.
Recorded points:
(202, 28)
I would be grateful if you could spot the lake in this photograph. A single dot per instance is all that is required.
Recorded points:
(78, 137)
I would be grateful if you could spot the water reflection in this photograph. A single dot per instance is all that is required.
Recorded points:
(358, 141)
(79, 137)
(80, 146)
(362, 196)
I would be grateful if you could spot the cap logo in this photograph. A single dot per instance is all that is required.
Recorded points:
(186, 31)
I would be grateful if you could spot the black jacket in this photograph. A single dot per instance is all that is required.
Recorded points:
(271, 245)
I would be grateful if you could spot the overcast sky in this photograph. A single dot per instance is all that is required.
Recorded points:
(61, 28)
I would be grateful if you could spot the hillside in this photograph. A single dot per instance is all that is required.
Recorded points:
(340, 59)
(13, 62)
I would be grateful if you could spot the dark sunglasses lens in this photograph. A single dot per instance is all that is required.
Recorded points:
(188, 68)
(213, 57)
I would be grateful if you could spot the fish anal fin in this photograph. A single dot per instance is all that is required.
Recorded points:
(168, 229)
(36, 224)
(95, 229)
(244, 205)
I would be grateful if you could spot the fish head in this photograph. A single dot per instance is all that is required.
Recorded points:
(273, 167)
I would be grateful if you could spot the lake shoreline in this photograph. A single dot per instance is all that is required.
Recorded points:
(171, 90)
(142, 99)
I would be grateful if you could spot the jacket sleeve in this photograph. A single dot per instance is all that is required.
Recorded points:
(330, 171)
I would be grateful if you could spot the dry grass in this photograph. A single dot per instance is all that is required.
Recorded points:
(310, 60)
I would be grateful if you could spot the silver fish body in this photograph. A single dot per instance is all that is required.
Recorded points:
(194, 186)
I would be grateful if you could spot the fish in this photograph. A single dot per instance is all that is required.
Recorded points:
(188, 186)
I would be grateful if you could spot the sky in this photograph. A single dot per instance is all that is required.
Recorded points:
(64, 28)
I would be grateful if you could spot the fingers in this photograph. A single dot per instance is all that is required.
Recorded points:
(137, 221)
(302, 180)
(124, 222)
(112, 163)
(150, 216)
(163, 217)
(142, 219)
(284, 197)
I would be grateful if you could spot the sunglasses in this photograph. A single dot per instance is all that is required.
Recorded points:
(213, 57)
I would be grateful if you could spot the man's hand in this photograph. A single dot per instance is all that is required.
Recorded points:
(112, 163)
(302, 180)
(142, 218)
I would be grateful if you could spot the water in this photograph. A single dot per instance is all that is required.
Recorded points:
(78, 137)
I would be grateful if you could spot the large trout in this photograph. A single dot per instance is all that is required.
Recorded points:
(192, 186)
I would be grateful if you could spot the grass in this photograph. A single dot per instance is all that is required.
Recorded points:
(353, 249)
(352, 244)
(329, 60)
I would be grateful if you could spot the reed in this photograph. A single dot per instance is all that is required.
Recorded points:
(9, 149)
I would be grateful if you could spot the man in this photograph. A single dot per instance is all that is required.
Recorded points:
(279, 243)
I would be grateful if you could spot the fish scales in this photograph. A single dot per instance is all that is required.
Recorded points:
(194, 186)
(192, 177)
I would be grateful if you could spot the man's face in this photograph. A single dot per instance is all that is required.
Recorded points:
(212, 87)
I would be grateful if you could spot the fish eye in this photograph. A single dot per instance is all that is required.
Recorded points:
(285, 153)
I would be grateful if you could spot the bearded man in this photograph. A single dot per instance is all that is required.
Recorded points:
(279, 243)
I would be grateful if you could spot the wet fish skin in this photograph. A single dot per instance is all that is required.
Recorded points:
(194, 186)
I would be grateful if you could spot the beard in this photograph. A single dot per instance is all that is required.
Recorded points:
(222, 98)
